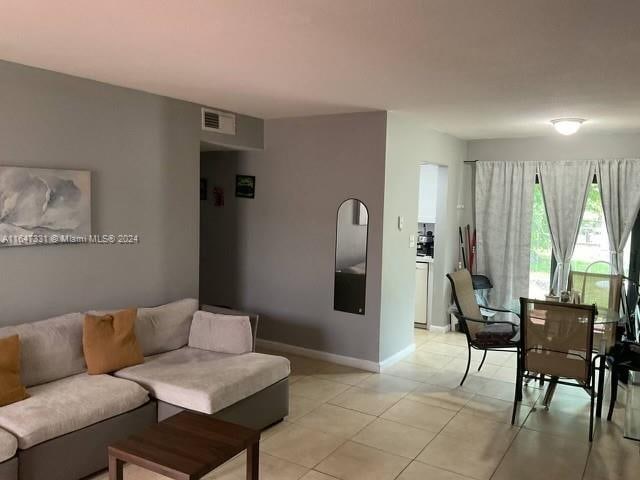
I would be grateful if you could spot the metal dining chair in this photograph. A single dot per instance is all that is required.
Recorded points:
(624, 358)
(607, 292)
(556, 340)
(602, 289)
(483, 333)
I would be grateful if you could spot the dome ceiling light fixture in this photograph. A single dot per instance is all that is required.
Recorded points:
(567, 126)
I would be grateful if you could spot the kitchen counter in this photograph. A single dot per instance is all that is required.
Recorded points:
(423, 259)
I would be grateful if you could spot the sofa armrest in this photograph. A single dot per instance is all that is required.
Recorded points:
(253, 318)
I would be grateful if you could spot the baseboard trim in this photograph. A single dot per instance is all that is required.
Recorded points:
(439, 328)
(360, 363)
(396, 357)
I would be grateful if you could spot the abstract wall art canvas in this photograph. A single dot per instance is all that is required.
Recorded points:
(43, 202)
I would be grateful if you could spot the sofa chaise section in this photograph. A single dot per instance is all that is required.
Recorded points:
(8, 446)
(210, 382)
(8, 460)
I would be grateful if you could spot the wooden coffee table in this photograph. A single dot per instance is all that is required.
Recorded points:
(186, 446)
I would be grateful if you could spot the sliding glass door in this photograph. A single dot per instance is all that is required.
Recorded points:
(592, 250)
(592, 245)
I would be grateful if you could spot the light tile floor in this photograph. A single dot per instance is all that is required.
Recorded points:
(413, 422)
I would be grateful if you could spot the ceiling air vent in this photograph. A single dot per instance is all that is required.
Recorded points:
(219, 122)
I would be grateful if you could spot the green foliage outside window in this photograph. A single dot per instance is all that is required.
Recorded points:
(540, 236)
(592, 240)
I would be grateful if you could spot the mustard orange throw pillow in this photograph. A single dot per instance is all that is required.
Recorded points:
(11, 388)
(109, 342)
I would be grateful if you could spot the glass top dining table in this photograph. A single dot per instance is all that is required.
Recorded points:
(604, 327)
(604, 338)
(604, 331)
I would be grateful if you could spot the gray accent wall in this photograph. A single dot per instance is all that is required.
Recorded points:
(279, 256)
(410, 143)
(275, 254)
(143, 153)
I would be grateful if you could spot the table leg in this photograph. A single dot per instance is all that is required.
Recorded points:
(115, 468)
(600, 393)
(253, 461)
(551, 389)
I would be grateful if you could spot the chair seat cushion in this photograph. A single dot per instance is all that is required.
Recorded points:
(67, 405)
(495, 335)
(206, 381)
(8, 445)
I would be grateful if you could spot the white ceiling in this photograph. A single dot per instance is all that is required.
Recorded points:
(473, 68)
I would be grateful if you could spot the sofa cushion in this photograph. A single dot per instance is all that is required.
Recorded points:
(206, 381)
(221, 333)
(50, 349)
(8, 445)
(67, 405)
(11, 387)
(163, 328)
(109, 342)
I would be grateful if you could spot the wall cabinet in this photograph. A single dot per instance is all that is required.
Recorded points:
(428, 194)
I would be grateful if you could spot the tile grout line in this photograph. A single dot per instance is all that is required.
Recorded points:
(347, 439)
(520, 427)
(351, 439)
(421, 382)
(439, 432)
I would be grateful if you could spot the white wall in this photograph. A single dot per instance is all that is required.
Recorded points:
(410, 143)
(557, 147)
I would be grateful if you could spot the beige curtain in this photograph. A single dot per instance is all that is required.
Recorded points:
(504, 207)
(619, 181)
(564, 188)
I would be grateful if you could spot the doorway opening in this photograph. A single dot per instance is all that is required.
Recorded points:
(220, 213)
(429, 249)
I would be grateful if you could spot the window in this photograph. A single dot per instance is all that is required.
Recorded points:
(592, 244)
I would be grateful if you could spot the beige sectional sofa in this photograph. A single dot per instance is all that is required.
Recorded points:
(71, 411)
(8, 461)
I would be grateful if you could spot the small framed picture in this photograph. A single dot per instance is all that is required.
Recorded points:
(245, 186)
